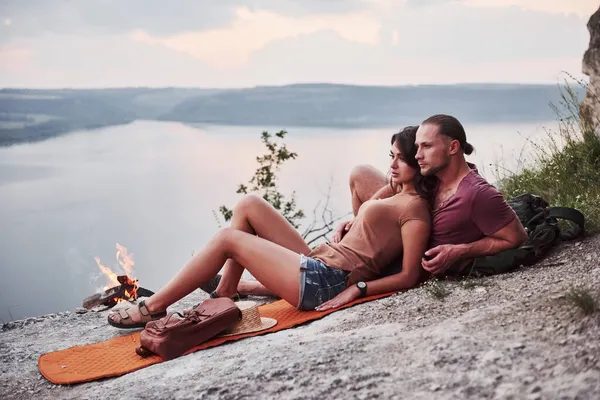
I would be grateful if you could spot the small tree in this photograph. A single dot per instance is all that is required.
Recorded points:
(264, 182)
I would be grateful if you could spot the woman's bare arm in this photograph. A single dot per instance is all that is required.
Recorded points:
(415, 235)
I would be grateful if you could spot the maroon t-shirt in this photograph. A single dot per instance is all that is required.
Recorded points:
(476, 210)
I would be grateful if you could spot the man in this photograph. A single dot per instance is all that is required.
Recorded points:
(470, 217)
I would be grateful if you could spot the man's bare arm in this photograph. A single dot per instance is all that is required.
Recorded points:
(511, 236)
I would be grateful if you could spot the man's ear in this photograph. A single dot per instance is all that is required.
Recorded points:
(454, 147)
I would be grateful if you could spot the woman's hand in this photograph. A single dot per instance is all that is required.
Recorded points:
(341, 230)
(350, 294)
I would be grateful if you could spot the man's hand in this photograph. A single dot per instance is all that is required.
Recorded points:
(341, 230)
(348, 295)
(441, 257)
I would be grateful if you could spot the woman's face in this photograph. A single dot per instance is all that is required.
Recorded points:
(401, 172)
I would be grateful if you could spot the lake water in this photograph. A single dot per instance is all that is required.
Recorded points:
(152, 187)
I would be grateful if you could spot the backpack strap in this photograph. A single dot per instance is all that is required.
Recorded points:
(569, 214)
(499, 263)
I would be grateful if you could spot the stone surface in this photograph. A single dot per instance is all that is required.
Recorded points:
(591, 67)
(500, 344)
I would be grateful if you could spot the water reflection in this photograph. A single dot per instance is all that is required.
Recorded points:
(152, 187)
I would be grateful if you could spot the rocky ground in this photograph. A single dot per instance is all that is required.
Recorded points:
(514, 336)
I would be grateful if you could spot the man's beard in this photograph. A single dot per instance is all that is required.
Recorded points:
(435, 170)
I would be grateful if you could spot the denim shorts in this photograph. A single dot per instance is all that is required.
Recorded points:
(319, 283)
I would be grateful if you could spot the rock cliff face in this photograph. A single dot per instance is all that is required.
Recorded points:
(513, 336)
(591, 67)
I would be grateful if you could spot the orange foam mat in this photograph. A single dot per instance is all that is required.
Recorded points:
(117, 356)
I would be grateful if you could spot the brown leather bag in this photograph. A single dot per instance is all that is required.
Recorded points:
(170, 337)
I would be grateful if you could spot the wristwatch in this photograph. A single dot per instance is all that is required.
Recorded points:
(362, 286)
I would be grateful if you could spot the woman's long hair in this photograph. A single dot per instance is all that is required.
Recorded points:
(405, 141)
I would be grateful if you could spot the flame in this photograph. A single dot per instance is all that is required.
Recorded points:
(112, 277)
(126, 262)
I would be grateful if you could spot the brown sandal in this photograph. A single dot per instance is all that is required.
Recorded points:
(125, 321)
(210, 287)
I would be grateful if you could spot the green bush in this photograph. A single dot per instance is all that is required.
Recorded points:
(565, 167)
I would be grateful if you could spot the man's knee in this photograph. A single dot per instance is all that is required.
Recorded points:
(362, 173)
(365, 181)
(248, 202)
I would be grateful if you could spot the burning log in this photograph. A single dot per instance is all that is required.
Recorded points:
(128, 290)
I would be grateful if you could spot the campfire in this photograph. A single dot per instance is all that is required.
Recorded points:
(120, 288)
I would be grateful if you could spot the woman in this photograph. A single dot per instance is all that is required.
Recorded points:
(262, 241)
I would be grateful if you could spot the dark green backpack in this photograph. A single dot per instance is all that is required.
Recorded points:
(542, 226)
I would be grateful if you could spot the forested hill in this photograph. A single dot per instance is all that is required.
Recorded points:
(30, 115)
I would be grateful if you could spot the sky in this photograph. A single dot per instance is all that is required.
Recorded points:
(244, 43)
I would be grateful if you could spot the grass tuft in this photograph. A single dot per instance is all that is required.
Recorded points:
(436, 289)
(564, 168)
(582, 300)
(472, 283)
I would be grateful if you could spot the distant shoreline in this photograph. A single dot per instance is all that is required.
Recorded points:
(8, 140)
(31, 115)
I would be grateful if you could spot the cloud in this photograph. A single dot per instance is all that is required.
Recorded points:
(351, 41)
(581, 8)
(32, 18)
(363, 64)
(39, 17)
(486, 34)
(14, 59)
(230, 47)
(395, 37)
(324, 56)
(100, 61)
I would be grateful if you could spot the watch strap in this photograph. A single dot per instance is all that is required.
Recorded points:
(363, 290)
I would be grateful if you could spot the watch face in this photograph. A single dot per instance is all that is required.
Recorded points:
(362, 285)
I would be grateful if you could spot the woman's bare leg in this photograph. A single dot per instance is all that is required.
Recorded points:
(252, 214)
(365, 181)
(274, 266)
